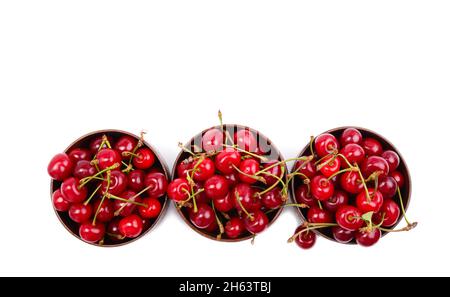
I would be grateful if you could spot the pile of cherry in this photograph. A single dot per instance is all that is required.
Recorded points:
(110, 190)
(228, 188)
(349, 187)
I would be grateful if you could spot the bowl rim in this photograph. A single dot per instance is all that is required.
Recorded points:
(174, 172)
(407, 177)
(158, 157)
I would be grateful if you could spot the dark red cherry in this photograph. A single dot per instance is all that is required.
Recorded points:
(306, 167)
(351, 135)
(131, 226)
(204, 170)
(59, 203)
(349, 217)
(118, 183)
(392, 158)
(232, 178)
(227, 159)
(125, 144)
(342, 235)
(368, 238)
(151, 210)
(339, 198)
(60, 167)
(321, 188)
(84, 169)
(391, 213)
(92, 233)
(203, 217)
(331, 167)
(387, 186)
(375, 164)
(234, 227)
(398, 176)
(224, 204)
(123, 208)
(364, 204)
(105, 212)
(372, 147)
(136, 180)
(212, 228)
(249, 167)
(256, 222)
(144, 159)
(246, 140)
(157, 183)
(351, 182)
(80, 213)
(78, 154)
(94, 146)
(272, 199)
(201, 196)
(216, 186)
(325, 144)
(184, 168)
(212, 140)
(317, 215)
(246, 195)
(113, 231)
(354, 153)
(306, 239)
(178, 190)
(273, 172)
(303, 196)
(108, 157)
(71, 192)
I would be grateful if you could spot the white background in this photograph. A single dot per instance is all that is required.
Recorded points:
(287, 68)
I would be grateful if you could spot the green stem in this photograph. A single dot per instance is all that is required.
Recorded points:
(364, 183)
(279, 180)
(402, 206)
(308, 228)
(257, 178)
(92, 195)
(340, 172)
(262, 158)
(85, 180)
(242, 206)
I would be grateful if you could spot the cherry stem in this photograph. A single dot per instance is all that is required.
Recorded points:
(320, 204)
(262, 158)
(310, 227)
(403, 207)
(117, 213)
(92, 195)
(108, 178)
(200, 160)
(279, 180)
(258, 178)
(111, 196)
(409, 227)
(219, 223)
(227, 134)
(363, 182)
(85, 180)
(340, 172)
(105, 141)
(280, 163)
(346, 160)
(321, 165)
(117, 236)
(128, 167)
(323, 158)
(136, 147)
(311, 147)
(185, 149)
(130, 154)
(191, 196)
(242, 206)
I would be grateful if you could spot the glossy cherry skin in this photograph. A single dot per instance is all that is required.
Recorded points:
(316, 215)
(391, 212)
(374, 204)
(59, 203)
(387, 186)
(250, 167)
(227, 159)
(71, 192)
(375, 164)
(372, 147)
(274, 171)
(399, 178)
(246, 140)
(354, 153)
(306, 239)
(349, 217)
(366, 238)
(321, 188)
(351, 182)
(246, 196)
(303, 197)
(118, 183)
(257, 222)
(212, 228)
(392, 158)
(224, 204)
(157, 183)
(351, 136)
(234, 227)
(131, 226)
(331, 167)
(113, 231)
(339, 198)
(78, 154)
(136, 180)
(204, 216)
(201, 197)
(178, 190)
(342, 235)
(212, 140)
(306, 168)
(325, 144)
(80, 213)
(205, 169)
(144, 159)
(108, 157)
(152, 210)
(84, 169)
(183, 169)
(125, 144)
(94, 146)
(105, 212)
(126, 208)
(216, 187)
(92, 233)
(272, 199)
(60, 167)
(232, 178)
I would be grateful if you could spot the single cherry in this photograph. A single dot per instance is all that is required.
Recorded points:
(203, 170)
(321, 188)
(184, 168)
(391, 213)
(78, 154)
(317, 215)
(303, 196)
(366, 204)
(246, 140)
(306, 167)
(392, 158)
(84, 169)
(232, 178)
(331, 167)
(398, 176)
(234, 227)
(108, 157)
(156, 183)
(349, 217)
(71, 192)
(152, 210)
(216, 186)
(325, 144)
(375, 164)
(306, 239)
(178, 190)
(59, 203)
(125, 144)
(131, 226)
(354, 153)
(249, 167)
(113, 231)
(117, 184)
(144, 159)
(272, 199)
(136, 180)
(80, 213)
(368, 238)
(256, 222)
(342, 235)
(244, 194)
(123, 208)
(351, 136)
(92, 233)
(212, 140)
(339, 198)
(203, 217)
(227, 159)
(372, 147)
(105, 212)
(60, 167)
(224, 204)
(387, 186)
(351, 182)
(94, 146)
